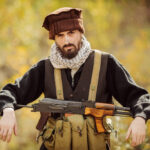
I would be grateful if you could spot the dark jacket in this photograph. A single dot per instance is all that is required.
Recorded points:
(118, 81)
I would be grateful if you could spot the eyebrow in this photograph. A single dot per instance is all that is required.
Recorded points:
(71, 31)
(59, 34)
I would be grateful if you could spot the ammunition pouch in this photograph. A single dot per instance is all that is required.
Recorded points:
(48, 133)
(73, 133)
(79, 132)
(96, 141)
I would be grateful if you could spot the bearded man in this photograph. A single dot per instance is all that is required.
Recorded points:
(75, 72)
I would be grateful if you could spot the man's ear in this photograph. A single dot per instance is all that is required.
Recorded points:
(82, 35)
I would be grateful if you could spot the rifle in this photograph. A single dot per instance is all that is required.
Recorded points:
(95, 109)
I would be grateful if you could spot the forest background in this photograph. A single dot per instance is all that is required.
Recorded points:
(120, 27)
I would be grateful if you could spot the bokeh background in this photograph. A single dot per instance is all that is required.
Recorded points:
(120, 27)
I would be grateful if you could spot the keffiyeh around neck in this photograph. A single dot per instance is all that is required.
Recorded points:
(60, 62)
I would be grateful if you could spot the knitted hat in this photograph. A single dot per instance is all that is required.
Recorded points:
(63, 19)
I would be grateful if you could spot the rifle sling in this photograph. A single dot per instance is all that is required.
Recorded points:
(58, 84)
(95, 76)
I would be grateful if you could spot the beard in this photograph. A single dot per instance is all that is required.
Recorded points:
(70, 53)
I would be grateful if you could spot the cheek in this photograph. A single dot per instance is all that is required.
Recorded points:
(59, 42)
(77, 40)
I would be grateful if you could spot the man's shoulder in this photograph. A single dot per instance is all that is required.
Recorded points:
(102, 52)
(110, 58)
(40, 63)
(43, 60)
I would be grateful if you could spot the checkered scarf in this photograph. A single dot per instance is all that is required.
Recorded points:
(60, 62)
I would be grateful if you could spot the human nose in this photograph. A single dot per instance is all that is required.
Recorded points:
(66, 39)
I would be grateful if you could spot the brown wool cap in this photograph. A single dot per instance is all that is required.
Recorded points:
(63, 19)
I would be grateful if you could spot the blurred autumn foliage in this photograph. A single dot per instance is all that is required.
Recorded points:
(120, 27)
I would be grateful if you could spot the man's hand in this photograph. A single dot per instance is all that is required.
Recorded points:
(137, 131)
(8, 124)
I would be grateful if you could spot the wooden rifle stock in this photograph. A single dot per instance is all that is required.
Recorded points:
(101, 110)
(99, 114)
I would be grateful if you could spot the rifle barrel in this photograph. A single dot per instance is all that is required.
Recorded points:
(122, 108)
(122, 113)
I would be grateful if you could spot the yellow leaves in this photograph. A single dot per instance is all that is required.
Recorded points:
(137, 58)
(26, 112)
(141, 41)
(17, 58)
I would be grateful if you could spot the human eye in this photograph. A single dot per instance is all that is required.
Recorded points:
(71, 32)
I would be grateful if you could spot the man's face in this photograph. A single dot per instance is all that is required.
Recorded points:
(69, 43)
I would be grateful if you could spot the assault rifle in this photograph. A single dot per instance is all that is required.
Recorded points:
(97, 110)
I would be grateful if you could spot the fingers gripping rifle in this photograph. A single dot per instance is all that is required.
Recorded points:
(97, 110)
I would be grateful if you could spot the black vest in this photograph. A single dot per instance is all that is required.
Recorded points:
(82, 89)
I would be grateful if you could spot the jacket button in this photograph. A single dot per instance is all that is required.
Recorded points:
(71, 95)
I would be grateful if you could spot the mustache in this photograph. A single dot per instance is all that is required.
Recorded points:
(66, 45)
